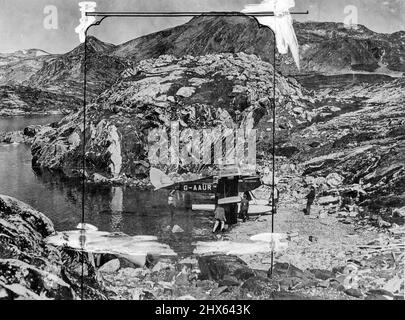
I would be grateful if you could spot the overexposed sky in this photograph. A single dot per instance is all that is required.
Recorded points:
(21, 21)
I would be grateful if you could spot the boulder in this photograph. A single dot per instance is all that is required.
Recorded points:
(133, 273)
(177, 229)
(31, 131)
(290, 277)
(227, 268)
(354, 293)
(216, 292)
(334, 180)
(111, 266)
(185, 92)
(260, 286)
(74, 139)
(328, 200)
(98, 178)
(162, 266)
(398, 212)
(189, 262)
(322, 274)
(30, 268)
(21, 280)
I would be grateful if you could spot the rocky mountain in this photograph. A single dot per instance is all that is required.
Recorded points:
(326, 48)
(358, 133)
(35, 82)
(19, 66)
(203, 35)
(31, 268)
(332, 48)
(64, 73)
(19, 96)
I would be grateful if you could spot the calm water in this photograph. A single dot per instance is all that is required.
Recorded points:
(109, 208)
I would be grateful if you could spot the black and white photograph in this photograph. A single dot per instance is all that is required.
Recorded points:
(202, 150)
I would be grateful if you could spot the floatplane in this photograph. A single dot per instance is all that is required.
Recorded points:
(226, 187)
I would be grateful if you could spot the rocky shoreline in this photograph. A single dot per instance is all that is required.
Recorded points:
(26, 135)
(29, 267)
(363, 264)
(327, 258)
(11, 113)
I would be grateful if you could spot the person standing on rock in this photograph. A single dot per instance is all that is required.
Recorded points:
(276, 196)
(219, 218)
(310, 200)
(244, 207)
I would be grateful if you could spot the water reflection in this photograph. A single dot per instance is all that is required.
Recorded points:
(134, 212)
(117, 208)
(113, 209)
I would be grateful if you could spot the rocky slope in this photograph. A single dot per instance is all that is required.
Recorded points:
(359, 134)
(19, 97)
(200, 92)
(19, 66)
(34, 83)
(22, 100)
(29, 267)
(64, 73)
(328, 48)
(352, 151)
(203, 35)
(331, 48)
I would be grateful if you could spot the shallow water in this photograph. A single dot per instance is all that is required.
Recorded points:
(114, 209)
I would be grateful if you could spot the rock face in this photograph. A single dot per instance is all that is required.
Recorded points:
(199, 92)
(201, 36)
(363, 143)
(30, 268)
(19, 66)
(64, 73)
(228, 270)
(332, 48)
(19, 100)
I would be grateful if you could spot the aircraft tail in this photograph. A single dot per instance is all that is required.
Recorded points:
(159, 179)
